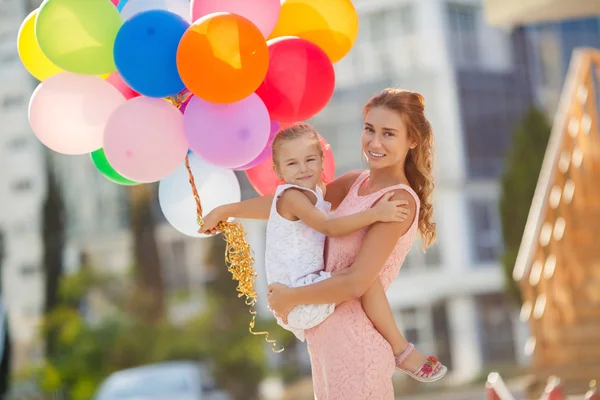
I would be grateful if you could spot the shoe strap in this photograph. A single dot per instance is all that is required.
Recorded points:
(400, 359)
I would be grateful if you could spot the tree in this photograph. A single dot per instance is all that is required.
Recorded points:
(523, 166)
(148, 269)
(53, 234)
(87, 353)
(238, 357)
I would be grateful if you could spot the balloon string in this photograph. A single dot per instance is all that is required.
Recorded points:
(238, 259)
(180, 98)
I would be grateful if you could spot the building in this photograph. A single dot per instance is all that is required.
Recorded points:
(22, 192)
(552, 43)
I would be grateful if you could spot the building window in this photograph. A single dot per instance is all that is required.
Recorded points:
(22, 185)
(378, 26)
(13, 101)
(176, 274)
(485, 230)
(495, 329)
(464, 34)
(18, 143)
(417, 259)
(433, 256)
(417, 327)
(410, 324)
(8, 58)
(29, 270)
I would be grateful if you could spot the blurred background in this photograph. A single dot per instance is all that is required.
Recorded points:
(96, 282)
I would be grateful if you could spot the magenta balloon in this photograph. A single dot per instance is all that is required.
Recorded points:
(262, 13)
(183, 105)
(227, 135)
(68, 112)
(144, 139)
(266, 151)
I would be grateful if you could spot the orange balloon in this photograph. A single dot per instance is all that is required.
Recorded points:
(222, 58)
(330, 24)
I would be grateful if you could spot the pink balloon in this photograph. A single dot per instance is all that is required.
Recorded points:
(262, 13)
(266, 151)
(227, 135)
(116, 80)
(115, 2)
(144, 139)
(68, 112)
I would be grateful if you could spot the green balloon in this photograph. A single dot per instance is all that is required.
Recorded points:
(102, 164)
(79, 35)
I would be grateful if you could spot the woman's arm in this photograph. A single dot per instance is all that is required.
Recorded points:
(296, 203)
(353, 282)
(255, 208)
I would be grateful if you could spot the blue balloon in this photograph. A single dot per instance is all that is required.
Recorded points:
(121, 5)
(146, 52)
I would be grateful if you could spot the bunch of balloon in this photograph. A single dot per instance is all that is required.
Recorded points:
(183, 93)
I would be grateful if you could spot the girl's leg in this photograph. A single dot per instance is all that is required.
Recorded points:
(377, 308)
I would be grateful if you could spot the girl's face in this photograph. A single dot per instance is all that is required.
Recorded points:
(299, 162)
(385, 140)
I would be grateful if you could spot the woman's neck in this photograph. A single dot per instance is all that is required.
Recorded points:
(382, 178)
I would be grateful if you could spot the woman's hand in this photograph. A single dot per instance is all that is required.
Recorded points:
(211, 220)
(279, 301)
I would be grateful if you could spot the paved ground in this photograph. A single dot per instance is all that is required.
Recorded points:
(303, 391)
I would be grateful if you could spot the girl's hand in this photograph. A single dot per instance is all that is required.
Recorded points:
(211, 220)
(387, 210)
(279, 301)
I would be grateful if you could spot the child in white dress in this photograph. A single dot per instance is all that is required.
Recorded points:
(299, 223)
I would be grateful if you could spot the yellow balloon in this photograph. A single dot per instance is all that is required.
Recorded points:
(32, 57)
(330, 24)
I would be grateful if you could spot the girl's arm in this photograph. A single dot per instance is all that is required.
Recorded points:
(297, 204)
(256, 208)
(353, 282)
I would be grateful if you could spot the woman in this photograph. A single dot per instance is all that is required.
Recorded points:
(350, 359)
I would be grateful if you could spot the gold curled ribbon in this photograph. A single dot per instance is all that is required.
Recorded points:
(238, 259)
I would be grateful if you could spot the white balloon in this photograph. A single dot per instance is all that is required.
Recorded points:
(179, 7)
(216, 186)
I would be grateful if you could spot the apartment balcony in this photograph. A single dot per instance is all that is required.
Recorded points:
(523, 12)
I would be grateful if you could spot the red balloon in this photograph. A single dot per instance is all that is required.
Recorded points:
(263, 178)
(115, 2)
(557, 394)
(116, 80)
(299, 82)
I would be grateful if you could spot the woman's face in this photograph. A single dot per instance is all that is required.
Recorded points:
(385, 140)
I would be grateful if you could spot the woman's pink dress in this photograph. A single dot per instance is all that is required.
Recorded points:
(350, 359)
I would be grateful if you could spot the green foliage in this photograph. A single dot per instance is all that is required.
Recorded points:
(523, 165)
(119, 336)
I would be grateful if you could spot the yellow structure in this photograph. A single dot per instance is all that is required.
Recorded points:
(558, 267)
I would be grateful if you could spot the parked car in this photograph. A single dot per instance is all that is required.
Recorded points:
(180, 380)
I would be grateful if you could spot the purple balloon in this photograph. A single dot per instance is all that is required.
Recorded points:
(266, 151)
(227, 135)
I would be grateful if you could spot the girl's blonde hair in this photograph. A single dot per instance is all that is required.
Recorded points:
(294, 132)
